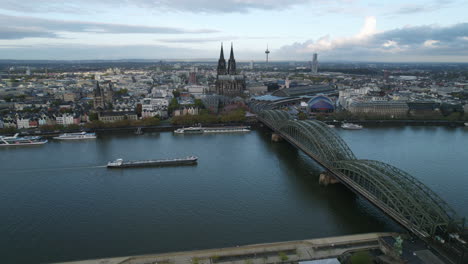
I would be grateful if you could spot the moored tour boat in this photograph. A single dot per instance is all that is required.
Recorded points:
(76, 136)
(21, 141)
(351, 126)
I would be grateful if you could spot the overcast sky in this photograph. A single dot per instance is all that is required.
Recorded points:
(351, 30)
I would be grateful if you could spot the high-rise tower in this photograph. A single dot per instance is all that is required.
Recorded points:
(315, 64)
(221, 62)
(231, 63)
(267, 52)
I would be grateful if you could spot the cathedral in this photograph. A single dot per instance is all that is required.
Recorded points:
(228, 82)
(103, 97)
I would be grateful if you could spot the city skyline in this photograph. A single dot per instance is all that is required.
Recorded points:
(344, 30)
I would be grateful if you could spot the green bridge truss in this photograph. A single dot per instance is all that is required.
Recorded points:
(419, 207)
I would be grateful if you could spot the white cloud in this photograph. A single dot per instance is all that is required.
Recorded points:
(430, 43)
(326, 43)
(223, 6)
(390, 43)
(15, 27)
(403, 43)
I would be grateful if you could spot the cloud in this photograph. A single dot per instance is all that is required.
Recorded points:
(226, 6)
(7, 32)
(95, 52)
(205, 6)
(410, 9)
(419, 43)
(15, 27)
(196, 40)
(215, 39)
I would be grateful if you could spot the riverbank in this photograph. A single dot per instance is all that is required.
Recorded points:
(171, 127)
(280, 252)
(132, 129)
(402, 122)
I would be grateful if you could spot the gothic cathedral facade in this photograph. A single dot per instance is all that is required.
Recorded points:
(228, 82)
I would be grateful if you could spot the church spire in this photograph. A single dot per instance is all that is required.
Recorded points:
(221, 62)
(232, 53)
(221, 55)
(232, 63)
(97, 89)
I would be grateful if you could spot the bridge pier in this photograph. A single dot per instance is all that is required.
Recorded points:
(275, 137)
(326, 178)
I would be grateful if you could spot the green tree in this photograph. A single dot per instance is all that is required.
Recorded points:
(8, 130)
(302, 116)
(283, 256)
(199, 103)
(176, 93)
(95, 124)
(93, 116)
(173, 105)
(73, 127)
(122, 92)
(150, 121)
(362, 257)
(398, 245)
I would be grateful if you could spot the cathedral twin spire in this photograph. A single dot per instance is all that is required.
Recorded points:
(231, 67)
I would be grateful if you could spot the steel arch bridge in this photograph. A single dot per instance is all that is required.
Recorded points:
(398, 194)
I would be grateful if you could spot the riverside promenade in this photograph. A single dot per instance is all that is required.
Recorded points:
(292, 251)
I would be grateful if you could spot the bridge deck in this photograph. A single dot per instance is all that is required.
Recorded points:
(348, 182)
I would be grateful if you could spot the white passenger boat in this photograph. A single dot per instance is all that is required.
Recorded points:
(21, 141)
(201, 130)
(76, 136)
(189, 130)
(351, 126)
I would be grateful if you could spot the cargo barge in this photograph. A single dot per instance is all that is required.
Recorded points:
(120, 163)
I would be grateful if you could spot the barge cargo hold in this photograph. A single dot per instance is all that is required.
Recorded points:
(120, 163)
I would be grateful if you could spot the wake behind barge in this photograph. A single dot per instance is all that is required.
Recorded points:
(120, 163)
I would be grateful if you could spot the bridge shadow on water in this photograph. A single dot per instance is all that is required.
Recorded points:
(350, 212)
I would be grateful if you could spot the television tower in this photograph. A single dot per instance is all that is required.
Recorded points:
(267, 52)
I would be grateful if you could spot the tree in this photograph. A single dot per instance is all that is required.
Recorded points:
(8, 130)
(199, 103)
(302, 116)
(398, 245)
(93, 116)
(173, 105)
(176, 93)
(362, 257)
(73, 127)
(150, 121)
(121, 92)
(283, 256)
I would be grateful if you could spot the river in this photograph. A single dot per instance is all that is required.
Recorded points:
(58, 202)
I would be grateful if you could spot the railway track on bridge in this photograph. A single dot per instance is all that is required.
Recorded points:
(397, 194)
